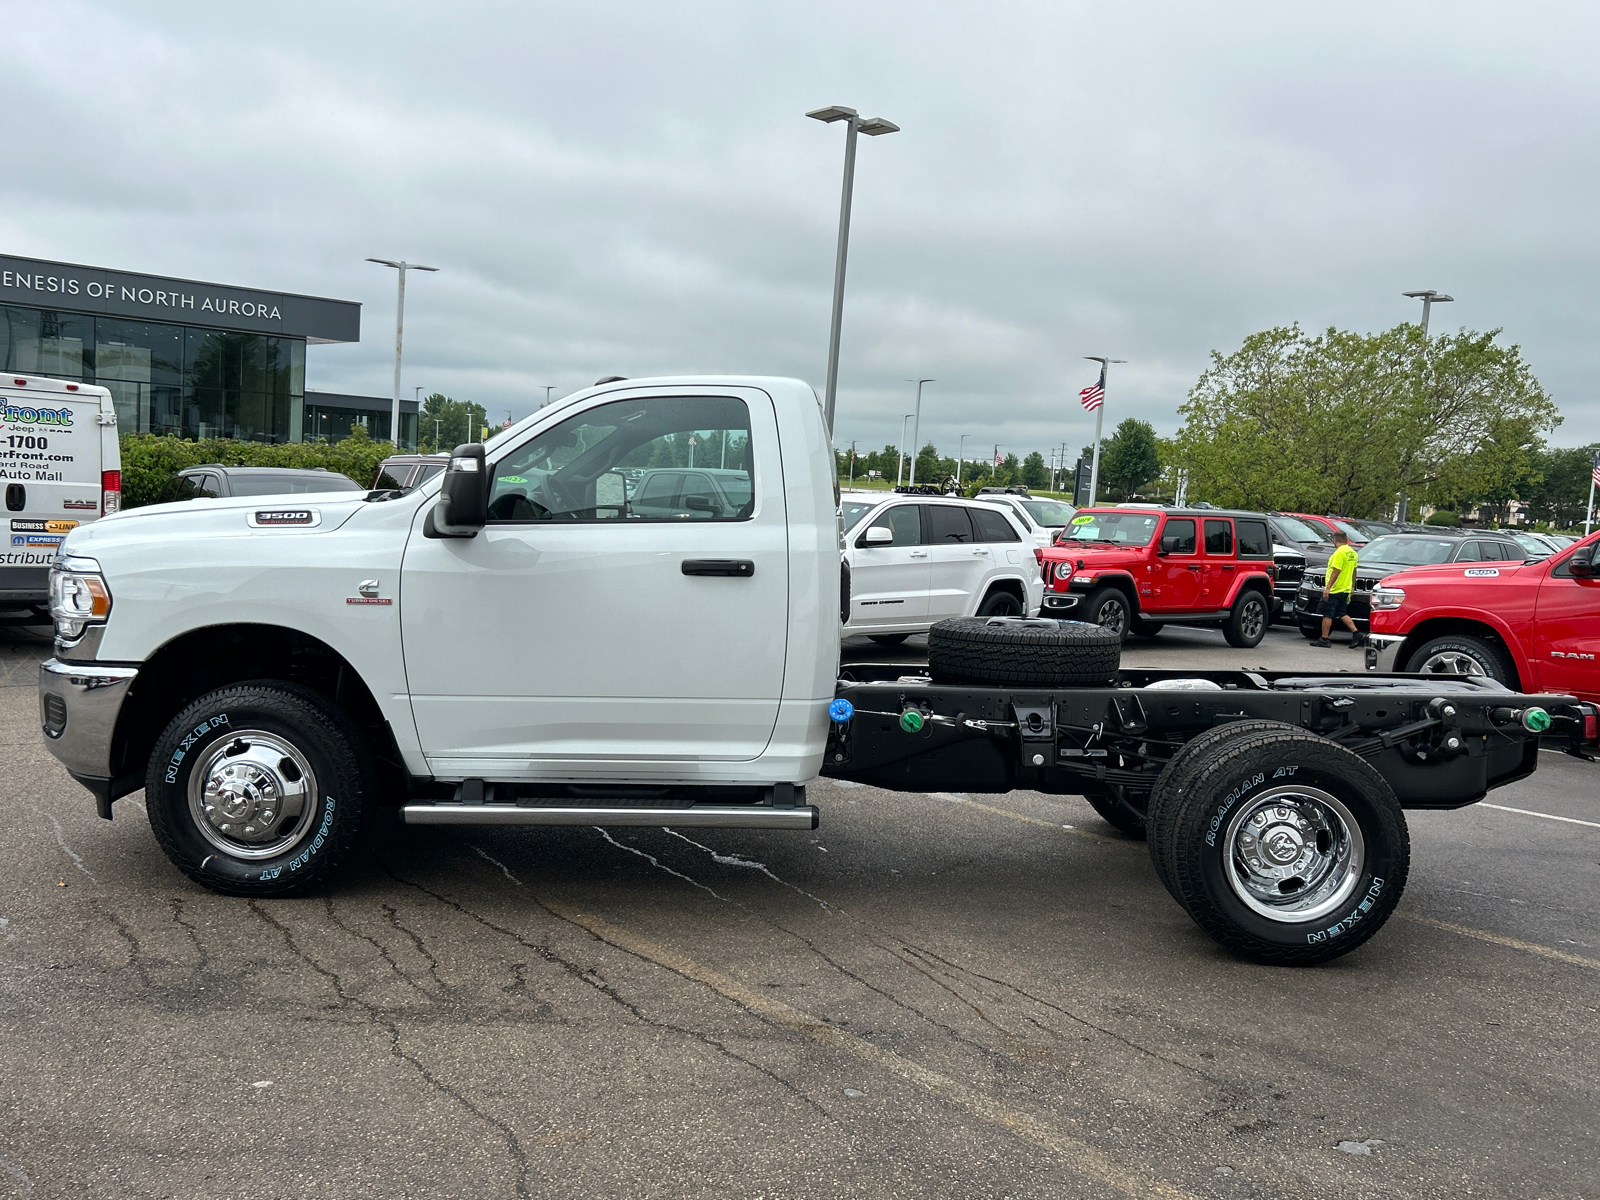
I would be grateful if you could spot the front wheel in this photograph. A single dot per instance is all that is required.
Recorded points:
(1146, 628)
(1458, 654)
(1107, 607)
(1247, 623)
(258, 789)
(1285, 847)
(1001, 604)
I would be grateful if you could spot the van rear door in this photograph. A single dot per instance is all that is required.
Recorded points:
(55, 447)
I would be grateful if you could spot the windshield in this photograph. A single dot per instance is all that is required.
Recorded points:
(1049, 512)
(853, 511)
(1297, 530)
(1120, 528)
(293, 485)
(1351, 532)
(1535, 546)
(1409, 551)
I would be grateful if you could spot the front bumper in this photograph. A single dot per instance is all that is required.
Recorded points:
(1308, 604)
(78, 708)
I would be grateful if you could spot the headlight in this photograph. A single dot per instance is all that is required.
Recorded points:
(1388, 597)
(1063, 570)
(78, 596)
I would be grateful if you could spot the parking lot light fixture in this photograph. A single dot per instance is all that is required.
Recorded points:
(961, 456)
(854, 124)
(401, 267)
(900, 466)
(916, 428)
(1429, 298)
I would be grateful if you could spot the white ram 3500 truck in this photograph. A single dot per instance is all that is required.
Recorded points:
(530, 640)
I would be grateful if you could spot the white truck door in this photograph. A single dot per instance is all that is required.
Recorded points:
(51, 462)
(575, 638)
(889, 581)
(960, 562)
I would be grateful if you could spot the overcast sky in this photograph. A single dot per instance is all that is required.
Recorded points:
(633, 189)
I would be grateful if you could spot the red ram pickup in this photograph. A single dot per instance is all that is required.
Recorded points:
(1535, 626)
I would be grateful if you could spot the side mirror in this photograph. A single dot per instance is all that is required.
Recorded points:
(1168, 545)
(877, 536)
(1581, 564)
(463, 505)
(700, 504)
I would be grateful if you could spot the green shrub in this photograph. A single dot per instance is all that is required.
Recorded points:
(1443, 516)
(150, 463)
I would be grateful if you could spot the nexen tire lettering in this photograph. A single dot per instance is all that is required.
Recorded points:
(187, 744)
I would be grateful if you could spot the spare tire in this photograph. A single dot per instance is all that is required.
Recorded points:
(1023, 652)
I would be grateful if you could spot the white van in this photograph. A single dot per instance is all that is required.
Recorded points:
(61, 467)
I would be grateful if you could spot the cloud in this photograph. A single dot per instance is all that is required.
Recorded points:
(632, 188)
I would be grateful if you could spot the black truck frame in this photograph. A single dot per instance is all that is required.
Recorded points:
(1272, 801)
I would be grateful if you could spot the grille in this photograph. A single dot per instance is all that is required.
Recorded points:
(1290, 573)
(55, 716)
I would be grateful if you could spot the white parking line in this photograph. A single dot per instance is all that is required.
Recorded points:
(1528, 812)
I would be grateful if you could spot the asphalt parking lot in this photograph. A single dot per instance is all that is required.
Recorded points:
(930, 996)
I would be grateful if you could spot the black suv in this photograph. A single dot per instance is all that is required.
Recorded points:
(1395, 552)
(214, 479)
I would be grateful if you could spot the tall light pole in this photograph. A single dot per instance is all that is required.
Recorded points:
(401, 268)
(900, 467)
(961, 460)
(854, 124)
(1429, 298)
(1099, 413)
(916, 428)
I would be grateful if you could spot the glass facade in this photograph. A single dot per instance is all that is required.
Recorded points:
(167, 378)
(330, 417)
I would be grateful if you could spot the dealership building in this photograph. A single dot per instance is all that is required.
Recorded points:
(197, 360)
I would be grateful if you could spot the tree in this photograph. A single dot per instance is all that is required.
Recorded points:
(1129, 459)
(444, 424)
(1560, 497)
(1034, 473)
(1342, 422)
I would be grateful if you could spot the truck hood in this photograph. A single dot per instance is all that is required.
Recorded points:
(273, 516)
(1455, 573)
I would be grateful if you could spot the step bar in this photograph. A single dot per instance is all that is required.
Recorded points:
(704, 816)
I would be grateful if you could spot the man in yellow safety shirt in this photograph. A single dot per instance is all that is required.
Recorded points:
(1336, 588)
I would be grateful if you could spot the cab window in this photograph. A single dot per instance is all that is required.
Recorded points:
(661, 458)
(947, 525)
(1253, 539)
(1219, 537)
(903, 520)
(1177, 537)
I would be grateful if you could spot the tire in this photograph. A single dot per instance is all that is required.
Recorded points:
(1030, 652)
(1247, 623)
(1108, 608)
(1311, 631)
(1001, 604)
(889, 639)
(1170, 784)
(1330, 821)
(279, 741)
(1118, 817)
(1459, 654)
(1146, 628)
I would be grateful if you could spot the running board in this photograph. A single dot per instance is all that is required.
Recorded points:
(723, 816)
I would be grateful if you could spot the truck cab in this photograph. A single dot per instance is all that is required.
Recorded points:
(1529, 625)
(1136, 569)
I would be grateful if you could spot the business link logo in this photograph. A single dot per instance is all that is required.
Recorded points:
(38, 416)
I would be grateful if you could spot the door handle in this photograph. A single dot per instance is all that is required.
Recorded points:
(731, 568)
(919, 554)
(1194, 567)
(981, 550)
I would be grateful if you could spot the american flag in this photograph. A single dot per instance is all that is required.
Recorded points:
(1595, 474)
(998, 461)
(1092, 397)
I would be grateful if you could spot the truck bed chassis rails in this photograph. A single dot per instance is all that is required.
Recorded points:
(1440, 743)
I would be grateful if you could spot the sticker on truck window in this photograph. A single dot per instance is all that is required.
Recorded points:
(272, 518)
(1083, 520)
(1471, 571)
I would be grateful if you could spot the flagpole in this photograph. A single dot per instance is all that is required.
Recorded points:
(1594, 475)
(1099, 413)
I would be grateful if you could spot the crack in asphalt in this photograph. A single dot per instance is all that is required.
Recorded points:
(383, 951)
(513, 1143)
(393, 915)
(61, 840)
(595, 981)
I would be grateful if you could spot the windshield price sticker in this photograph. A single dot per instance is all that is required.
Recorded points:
(274, 518)
(1471, 571)
(1084, 520)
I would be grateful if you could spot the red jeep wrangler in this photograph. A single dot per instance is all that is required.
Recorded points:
(1534, 626)
(1137, 569)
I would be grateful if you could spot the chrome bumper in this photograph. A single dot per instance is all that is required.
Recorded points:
(78, 708)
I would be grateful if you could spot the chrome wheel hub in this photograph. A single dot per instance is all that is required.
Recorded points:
(1294, 854)
(1452, 662)
(251, 795)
